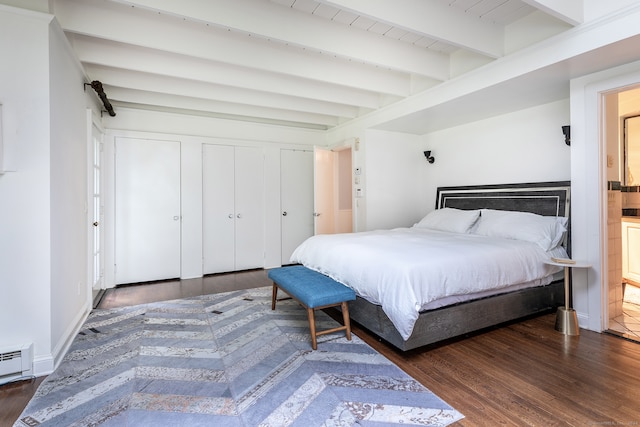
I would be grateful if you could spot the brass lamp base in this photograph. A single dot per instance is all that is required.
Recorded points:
(567, 321)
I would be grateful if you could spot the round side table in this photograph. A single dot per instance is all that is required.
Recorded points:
(566, 318)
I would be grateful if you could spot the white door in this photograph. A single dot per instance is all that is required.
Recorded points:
(296, 198)
(233, 208)
(218, 224)
(147, 210)
(323, 191)
(249, 192)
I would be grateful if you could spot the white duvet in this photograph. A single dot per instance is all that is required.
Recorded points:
(405, 269)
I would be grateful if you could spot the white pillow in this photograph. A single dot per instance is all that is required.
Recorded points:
(449, 219)
(546, 231)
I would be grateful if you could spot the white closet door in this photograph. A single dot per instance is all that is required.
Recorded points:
(147, 214)
(296, 198)
(218, 209)
(249, 201)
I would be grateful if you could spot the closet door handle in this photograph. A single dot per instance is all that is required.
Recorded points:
(238, 216)
(284, 213)
(230, 216)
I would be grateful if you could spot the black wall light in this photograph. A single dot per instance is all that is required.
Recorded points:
(566, 131)
(429, 157)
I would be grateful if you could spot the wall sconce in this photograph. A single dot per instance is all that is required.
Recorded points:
(566, 131)
(429, 157)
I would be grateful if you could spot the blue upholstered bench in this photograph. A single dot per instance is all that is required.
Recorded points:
(313, 291)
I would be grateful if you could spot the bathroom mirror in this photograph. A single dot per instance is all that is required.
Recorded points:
(632, 150)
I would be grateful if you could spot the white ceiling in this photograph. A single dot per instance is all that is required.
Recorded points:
(304, 63)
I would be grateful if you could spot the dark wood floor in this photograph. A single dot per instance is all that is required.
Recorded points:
(524, 373)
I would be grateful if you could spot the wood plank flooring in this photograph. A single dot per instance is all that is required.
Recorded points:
(14, 397)
(524, 373)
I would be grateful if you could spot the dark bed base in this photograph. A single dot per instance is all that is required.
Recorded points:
(453, 321)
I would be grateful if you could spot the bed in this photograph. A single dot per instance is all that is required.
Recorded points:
(481, 252)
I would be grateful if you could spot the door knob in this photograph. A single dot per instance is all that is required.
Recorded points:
(316, 214)
(176, 217)
(238, 216)
(230, 216)
(95, 224)
(284, 213)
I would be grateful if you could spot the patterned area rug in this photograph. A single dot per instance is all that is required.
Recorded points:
(225, 360)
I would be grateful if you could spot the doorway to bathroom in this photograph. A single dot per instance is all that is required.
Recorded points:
(623, 188)
(333, 190)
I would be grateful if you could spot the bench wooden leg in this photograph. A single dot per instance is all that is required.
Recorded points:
(312, 318)
(345, 318)
(312, 326)
(274, 295)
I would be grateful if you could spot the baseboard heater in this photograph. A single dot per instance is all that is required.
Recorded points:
(16, 363)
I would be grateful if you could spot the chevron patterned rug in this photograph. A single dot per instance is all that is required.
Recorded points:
(225, 360)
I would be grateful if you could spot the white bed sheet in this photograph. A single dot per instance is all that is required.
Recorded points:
(405, 270)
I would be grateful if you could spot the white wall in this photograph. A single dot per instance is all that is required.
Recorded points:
(400, 186)
(70, 292)
(523, 146)
(628, 104)
(43, 223)
(391, 169)
(180, 124)
(25, 264)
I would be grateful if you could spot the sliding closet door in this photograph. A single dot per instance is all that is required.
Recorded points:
(147, 210)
